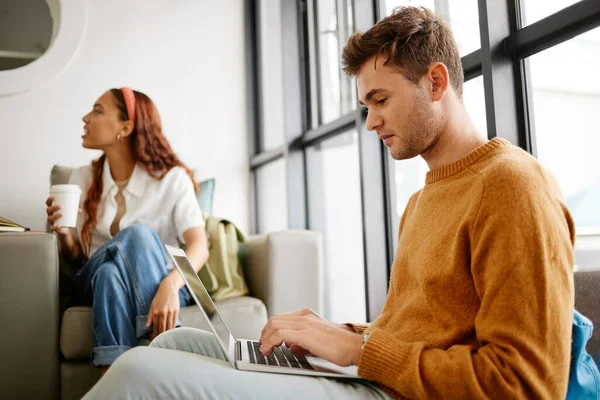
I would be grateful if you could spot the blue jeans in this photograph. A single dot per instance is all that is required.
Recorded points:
(119, 281)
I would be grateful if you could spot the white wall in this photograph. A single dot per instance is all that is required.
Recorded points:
(187, 55)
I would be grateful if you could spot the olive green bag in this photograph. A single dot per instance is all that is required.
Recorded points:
(222, 275)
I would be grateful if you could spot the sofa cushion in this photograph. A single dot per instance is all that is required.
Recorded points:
(245, 316)
(76, 378)
(76, 339)
(60, 175)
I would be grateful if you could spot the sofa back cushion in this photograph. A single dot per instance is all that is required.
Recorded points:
(60, 175)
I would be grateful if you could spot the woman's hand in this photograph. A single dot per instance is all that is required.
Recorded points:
(70, 248)
(54, 214)
(164, 309)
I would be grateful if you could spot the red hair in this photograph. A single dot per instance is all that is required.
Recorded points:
(150, 148)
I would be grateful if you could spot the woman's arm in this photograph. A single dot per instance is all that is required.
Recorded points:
(196, 251)
(189, 224)
(70, 248)
(165, 305)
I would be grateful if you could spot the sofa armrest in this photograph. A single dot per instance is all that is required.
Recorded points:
(285, 270)
(29, 313)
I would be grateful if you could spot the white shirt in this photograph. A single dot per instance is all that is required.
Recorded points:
(169, 205)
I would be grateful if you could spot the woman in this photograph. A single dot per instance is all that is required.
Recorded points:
(137, 196)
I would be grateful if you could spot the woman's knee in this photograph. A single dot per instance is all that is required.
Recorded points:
(139, 233)
(141, 243)
(107, 274)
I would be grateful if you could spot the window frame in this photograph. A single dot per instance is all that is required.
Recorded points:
(505, 44)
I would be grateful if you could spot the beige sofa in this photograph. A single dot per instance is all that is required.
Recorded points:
(45, 346)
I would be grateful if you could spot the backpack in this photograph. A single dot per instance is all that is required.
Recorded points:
(222, 275)
(584, 377)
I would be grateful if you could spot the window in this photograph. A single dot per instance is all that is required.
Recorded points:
(464, 20)
(534, 10)
(474, 101)
(335, 209)
(462, 15)
(407, 177)
(25, 32)
(565, 109)
(553, 101)
(334, 25)
(391, 4)
(271, 69)
(272, 197)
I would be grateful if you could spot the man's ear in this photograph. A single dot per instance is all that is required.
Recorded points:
(126, 128)
(437, 75)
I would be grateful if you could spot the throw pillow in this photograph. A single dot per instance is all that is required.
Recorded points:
(206, 194)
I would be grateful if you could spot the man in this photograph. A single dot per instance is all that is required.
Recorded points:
(480, 302)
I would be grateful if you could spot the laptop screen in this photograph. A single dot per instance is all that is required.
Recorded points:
(200, 294)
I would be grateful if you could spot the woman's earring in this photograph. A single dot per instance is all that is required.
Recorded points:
(119, 137)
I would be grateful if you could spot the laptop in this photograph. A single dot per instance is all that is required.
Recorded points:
(244, 354)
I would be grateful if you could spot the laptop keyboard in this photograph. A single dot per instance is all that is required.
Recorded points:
(282, 357)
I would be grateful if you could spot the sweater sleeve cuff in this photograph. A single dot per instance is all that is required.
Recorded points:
(384, 360)
(357, 328)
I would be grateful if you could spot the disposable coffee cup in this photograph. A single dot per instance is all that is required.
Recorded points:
(67, 197)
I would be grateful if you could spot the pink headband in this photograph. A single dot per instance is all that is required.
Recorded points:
(129, 102)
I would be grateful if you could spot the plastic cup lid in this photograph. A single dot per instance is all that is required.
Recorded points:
(65, 188)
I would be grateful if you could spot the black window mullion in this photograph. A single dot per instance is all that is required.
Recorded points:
(502, 77)
(324, 131)
(254, 93)
(253, 202)
(317, 52)
(373, 184)
(523, 87)
(311, 63)
(379, 6)
(554, 29)
(524, 94)
(295, 94)
(471, 64)
(344, 26)
(267, 156)
(253, 99)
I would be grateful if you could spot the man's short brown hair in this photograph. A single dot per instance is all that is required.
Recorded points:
(412, 39)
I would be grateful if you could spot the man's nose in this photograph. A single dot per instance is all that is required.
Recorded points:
(373, 121)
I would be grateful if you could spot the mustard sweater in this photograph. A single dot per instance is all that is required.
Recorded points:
(481, 298)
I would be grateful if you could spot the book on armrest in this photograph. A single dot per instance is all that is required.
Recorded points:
(9, 226)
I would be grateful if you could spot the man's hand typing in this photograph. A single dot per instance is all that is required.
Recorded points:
(304, 332)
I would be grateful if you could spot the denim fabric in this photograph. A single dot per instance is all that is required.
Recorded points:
(119, 281)
(584, 377)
